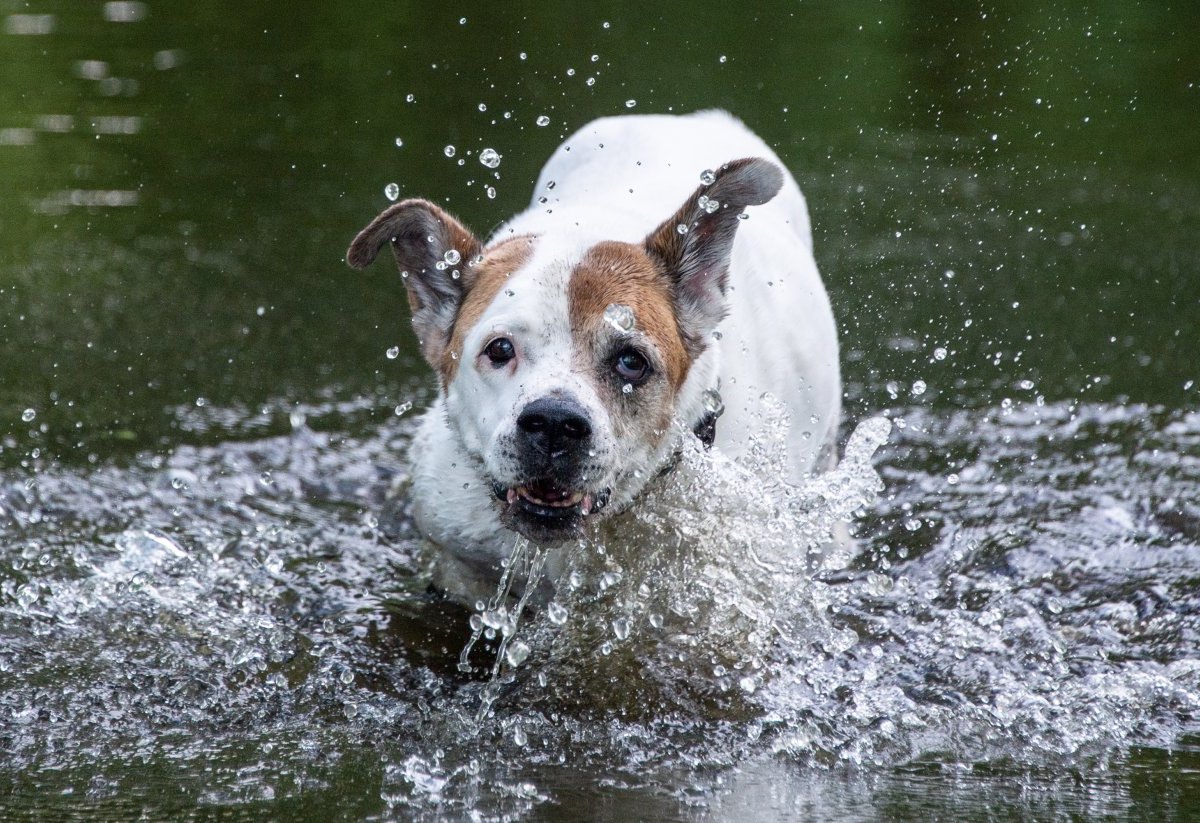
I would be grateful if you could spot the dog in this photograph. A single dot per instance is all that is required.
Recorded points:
(662, 275)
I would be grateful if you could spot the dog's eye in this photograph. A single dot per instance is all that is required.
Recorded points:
(632, 366)
(500, 351)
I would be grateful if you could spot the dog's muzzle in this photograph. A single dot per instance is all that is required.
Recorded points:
(553, 445)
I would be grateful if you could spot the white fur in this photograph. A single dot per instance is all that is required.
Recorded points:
(618, 178)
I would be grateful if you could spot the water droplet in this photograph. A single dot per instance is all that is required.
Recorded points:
(722, 59)
(351, 711)
(393, 352)
(491, 192)
(606, 648)
(609, 579)
(543, 120)
(28, 415)
(912, 524)
(399, 142)
(517, 653)
(682, 228)
(490, 158)
(629, 104)
(410, 98)
(918, 388)
(519, 736)
(483, 106)
(404, 407)
(656, 620)
(878, 584)
(748, 684)
(707, 204)
(627, 388)
(621, 628)
(452, 257)
(449, 151)
(713, 403)
(556, 613)
(266, 479)
(27, 595)
(1054, 605)
(620, 317)
(707, 177)
(939, 353)
(494, 619)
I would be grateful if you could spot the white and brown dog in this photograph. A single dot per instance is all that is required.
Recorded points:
(663, 258)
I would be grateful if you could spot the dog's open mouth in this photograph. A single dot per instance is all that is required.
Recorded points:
(543, 510)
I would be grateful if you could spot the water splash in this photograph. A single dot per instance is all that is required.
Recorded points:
(193, 620)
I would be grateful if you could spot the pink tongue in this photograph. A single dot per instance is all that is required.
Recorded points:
(547, 493)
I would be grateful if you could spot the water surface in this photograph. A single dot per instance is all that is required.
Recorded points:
(211, 600)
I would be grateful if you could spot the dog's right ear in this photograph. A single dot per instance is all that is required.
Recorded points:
(433, 252)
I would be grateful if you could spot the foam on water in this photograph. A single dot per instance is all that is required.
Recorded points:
(247, 616)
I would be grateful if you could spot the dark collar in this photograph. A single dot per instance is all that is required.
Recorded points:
(705, 431)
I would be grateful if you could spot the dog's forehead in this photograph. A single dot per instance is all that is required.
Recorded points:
(533, 299)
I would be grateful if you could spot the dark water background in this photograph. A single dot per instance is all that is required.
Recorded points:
(1006, 202)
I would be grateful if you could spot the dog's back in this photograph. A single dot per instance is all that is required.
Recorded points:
(616, 177)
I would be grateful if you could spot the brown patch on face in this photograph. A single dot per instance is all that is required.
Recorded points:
(623, 273)
(486, 278)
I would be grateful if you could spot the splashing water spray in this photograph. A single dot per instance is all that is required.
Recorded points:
(785, 545)
(524, 561)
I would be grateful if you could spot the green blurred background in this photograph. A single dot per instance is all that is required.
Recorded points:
(1017, 184)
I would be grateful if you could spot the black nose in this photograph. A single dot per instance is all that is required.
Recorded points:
(554, 426)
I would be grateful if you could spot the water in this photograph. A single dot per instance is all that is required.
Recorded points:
(212, 599)
(201, 635)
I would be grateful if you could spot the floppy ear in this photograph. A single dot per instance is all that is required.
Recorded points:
(695, 243)
(434, 253)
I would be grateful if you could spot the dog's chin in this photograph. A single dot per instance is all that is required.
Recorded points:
(547, 513)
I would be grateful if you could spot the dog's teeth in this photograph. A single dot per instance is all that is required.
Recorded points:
(512, 496)
(586, 506)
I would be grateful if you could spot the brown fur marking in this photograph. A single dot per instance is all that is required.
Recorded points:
(623, 273)
(486, 280)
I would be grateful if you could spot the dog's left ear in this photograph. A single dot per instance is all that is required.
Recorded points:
(695, 243)
(434, 253)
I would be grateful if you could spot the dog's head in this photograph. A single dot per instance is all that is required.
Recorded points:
(564, 363)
